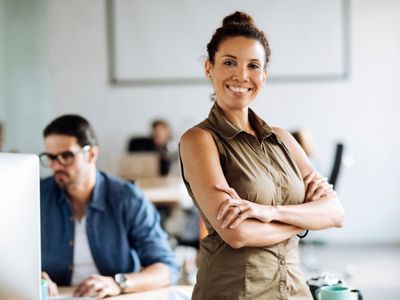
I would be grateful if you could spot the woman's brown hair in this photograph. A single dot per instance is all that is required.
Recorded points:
(237, 24)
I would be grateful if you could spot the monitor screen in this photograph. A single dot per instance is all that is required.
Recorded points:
(20, 227)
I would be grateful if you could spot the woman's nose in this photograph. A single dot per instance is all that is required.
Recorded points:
(241, 74)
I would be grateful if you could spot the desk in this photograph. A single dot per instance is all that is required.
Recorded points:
(164, 190)
(160, 294)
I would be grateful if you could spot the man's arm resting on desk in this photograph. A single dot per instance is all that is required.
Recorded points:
(155, 276)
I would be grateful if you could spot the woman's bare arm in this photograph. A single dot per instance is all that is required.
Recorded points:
(324, 212)
(202, 169)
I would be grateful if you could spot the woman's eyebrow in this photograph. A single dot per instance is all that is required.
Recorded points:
(232, 56)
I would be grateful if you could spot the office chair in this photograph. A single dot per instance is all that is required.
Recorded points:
(337, 163)
(309, 261)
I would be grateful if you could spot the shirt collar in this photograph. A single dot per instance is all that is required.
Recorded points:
(98, 199)
(228, 130)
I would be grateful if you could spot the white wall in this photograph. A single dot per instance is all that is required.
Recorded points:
(360, 111)
(25, 101)
(2, 59)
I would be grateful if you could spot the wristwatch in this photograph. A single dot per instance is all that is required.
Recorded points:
(122, 281)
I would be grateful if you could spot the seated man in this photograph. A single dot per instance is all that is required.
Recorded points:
(98, 231)
(158, 142)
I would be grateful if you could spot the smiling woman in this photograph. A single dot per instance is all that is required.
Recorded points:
(254, 185)
(238, 72)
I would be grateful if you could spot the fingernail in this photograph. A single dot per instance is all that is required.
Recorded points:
(218, 217)
(218, 185)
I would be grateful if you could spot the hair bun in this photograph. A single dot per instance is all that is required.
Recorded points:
(238, 18)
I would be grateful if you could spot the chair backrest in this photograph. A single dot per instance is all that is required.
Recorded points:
(337, 162)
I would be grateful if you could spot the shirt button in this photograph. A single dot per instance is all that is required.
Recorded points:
(282, 262)
(71, 243)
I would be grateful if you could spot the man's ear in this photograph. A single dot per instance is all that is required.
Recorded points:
(208, 69)
(93, 153)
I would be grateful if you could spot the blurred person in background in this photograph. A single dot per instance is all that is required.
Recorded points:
(156, 142)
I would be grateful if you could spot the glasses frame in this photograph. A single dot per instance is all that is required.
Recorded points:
(58, 157)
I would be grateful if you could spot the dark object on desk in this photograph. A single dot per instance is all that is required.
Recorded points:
(337, 162)
(146, 144)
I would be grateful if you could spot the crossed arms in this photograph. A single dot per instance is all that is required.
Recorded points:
(243, 223)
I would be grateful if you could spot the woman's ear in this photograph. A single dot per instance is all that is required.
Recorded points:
(208, 69)
(265, 77)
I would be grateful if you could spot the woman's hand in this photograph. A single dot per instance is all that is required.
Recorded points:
(235, 210)
(317, 187)
(98, 286)
(53, 289)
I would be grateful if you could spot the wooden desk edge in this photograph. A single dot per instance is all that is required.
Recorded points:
(148, 295)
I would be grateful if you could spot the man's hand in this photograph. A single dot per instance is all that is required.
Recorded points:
(98, 286)
(53, 290)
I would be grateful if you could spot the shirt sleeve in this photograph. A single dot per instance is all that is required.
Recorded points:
(145, 234)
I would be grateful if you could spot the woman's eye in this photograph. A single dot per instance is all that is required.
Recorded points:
(229, 63)
(254, 66)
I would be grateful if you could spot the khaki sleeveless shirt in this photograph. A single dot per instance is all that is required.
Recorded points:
(263, 171)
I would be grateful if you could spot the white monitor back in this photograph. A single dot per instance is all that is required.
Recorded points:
(20, 263)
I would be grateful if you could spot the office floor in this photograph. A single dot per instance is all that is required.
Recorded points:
(375, 270)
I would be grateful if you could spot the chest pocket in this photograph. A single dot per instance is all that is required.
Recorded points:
(248, 175)
(262, 176)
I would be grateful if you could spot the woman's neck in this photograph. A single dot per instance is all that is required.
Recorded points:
(240, 118)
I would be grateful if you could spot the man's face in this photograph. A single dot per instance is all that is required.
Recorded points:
(77, 169)
(161, 135)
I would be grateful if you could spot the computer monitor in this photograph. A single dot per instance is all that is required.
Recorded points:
(20, 264)
(138, 165)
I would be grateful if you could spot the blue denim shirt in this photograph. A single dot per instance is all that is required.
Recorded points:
(122, 227)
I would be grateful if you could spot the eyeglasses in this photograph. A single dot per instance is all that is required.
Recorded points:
(65, 158)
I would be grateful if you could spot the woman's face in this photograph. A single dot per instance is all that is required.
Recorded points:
(238, 72)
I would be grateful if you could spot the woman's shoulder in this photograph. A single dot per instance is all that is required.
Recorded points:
(295, 150)
(280, 132)
(196, 135)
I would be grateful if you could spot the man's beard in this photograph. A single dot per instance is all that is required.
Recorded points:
(64, 182)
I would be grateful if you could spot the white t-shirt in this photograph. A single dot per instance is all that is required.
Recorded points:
(83, 263)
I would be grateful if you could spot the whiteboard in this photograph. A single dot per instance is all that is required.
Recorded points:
(164, 41)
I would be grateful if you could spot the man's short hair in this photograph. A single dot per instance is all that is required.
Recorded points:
(159, 122)
(72, 125)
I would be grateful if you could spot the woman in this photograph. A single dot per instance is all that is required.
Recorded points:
(247, 180)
